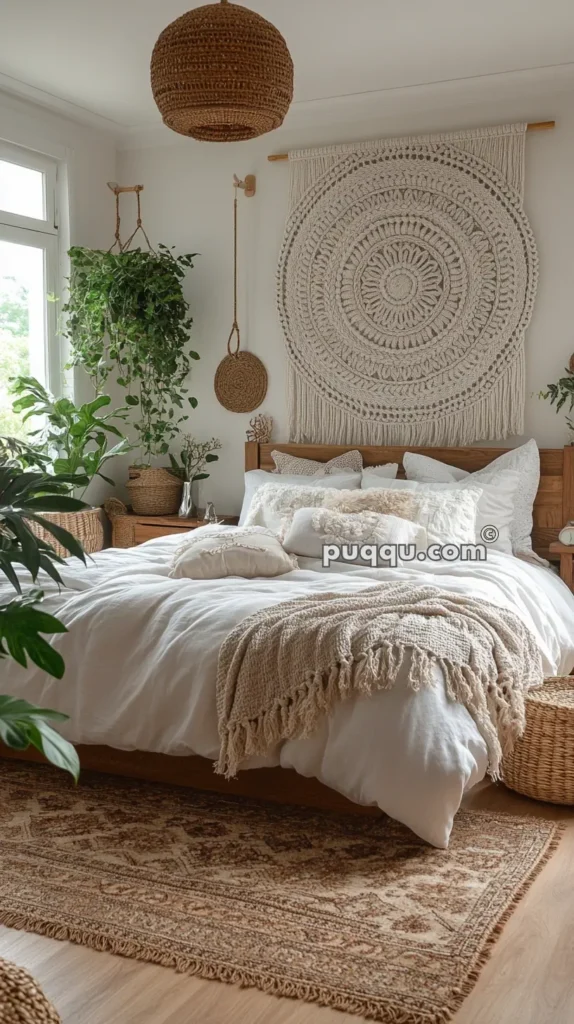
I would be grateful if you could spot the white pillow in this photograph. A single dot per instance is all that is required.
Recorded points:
(254, 478)
(311, 528)
(212, 554)
(495, 508)
(294, 464)
(387, 471)
(524, 460)
(448, 512)
(274, 506)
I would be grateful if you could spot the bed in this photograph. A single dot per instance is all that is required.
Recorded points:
(138, 714)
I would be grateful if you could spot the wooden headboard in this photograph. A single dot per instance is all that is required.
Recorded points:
(553, 507)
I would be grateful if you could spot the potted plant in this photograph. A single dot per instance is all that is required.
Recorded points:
(22, 622)
(127, 316)
(72, 441)
(561, 392)
(193, 458)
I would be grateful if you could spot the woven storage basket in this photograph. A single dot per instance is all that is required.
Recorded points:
(86, 526)
(221, 73)
(21, 998)
(154, 492)
(542, 762)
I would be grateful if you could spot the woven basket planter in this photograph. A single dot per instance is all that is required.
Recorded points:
(86, 526)
(154, 492)
(221, 73)
(21, 998)
(542, 763)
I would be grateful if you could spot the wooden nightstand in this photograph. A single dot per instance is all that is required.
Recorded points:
(566, 552)
(129, 530)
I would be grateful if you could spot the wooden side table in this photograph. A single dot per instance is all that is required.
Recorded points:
(129, 530)
(566, 552)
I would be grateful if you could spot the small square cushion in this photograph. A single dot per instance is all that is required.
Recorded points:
(210, 553)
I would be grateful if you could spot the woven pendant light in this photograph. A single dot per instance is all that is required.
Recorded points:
(222, 73)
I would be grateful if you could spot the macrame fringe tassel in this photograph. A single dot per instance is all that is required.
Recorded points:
(499, 415)
(298, 715)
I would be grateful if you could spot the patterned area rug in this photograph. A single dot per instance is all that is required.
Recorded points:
(355, 913)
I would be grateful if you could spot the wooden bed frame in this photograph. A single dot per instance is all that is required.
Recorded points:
(553, 507)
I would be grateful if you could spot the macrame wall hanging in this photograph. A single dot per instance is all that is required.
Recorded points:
(241, 378)
(407, 279)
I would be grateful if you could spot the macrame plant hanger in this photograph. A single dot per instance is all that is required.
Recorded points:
(241, 378)
(124, 246)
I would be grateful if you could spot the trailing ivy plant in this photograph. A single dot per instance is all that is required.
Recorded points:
(127, 316)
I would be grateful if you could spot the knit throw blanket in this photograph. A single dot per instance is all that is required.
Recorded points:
(283, 667)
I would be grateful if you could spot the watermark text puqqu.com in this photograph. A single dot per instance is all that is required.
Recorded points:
(396, 554)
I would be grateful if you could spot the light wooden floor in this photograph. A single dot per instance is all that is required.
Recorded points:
(529, 979)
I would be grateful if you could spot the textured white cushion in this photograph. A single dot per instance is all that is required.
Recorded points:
(211, 554)
(274, 506)
(387, 471)
(311, 528)
(254, 478)
(524, 460)
(294, 464)
(449, 515)
(495, 508)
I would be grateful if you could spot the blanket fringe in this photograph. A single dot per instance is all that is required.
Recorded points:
(377, 669)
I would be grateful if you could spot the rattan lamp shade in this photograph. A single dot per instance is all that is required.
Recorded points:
(222, 73)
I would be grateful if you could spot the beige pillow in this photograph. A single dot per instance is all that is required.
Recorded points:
(274, 506)
(293, 464)
(211, 553)
(311, 528)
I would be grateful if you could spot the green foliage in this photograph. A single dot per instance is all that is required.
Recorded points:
(75, 438)
(560, 393)
(127, 315)
(14, 347)
(15, 451)
(193, 458)
(22, 623)
(23, 724)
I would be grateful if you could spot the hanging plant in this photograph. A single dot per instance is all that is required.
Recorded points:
(127, 316)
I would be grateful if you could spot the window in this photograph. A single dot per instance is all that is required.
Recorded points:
(28, 274)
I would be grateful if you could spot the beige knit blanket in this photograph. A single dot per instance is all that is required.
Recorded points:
(283, 667)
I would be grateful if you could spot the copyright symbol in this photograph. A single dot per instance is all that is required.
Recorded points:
(489, 534)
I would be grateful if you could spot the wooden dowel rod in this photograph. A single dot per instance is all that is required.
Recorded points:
(126, 188)
(536, 126)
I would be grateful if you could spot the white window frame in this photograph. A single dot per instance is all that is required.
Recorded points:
(49, 168)
(40, 234)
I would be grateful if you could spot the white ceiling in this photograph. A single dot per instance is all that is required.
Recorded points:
(95, 53)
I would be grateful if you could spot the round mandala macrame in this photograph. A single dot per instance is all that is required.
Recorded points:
(406, 281)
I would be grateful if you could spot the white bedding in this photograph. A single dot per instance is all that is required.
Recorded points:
(141, 657)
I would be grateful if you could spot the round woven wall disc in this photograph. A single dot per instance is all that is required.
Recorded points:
(240, 382)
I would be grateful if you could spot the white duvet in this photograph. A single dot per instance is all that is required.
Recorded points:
(141, 658)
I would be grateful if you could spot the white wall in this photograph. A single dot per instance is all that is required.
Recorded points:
(188, 203)
(87, 158)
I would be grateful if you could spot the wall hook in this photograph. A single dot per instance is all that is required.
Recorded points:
(249, 186)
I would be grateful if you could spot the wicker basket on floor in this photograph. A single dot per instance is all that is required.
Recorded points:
(542, 762)
(21, 998)
(86, 526)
